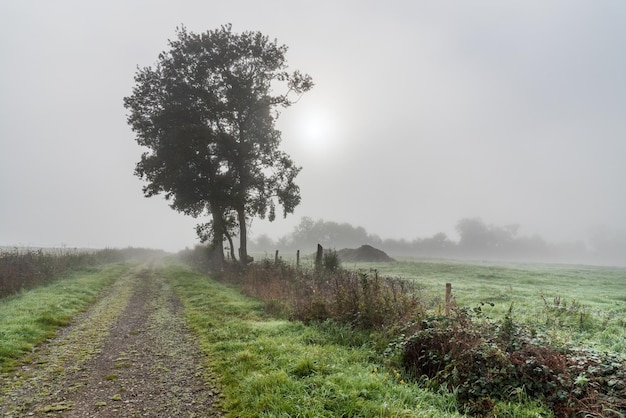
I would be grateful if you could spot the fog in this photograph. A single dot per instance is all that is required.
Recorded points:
(423, 114)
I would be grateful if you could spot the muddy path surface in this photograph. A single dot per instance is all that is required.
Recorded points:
(130, 355)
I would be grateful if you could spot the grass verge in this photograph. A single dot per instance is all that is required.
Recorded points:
(30, 317)
(272, 367)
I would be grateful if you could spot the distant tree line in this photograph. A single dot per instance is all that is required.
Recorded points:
(477, 240)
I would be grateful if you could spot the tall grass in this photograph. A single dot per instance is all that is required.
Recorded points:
(22, 270)
(362, 299)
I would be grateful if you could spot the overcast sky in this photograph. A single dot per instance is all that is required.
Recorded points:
(423, 113)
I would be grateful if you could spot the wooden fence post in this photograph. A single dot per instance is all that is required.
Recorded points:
(318, 257)
(276, 257)
(298, 259)
(448, 298)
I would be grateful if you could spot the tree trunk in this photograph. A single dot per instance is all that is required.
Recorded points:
(243, 236)
(232, 247)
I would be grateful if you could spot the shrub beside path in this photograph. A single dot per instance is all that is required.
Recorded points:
(131, 354)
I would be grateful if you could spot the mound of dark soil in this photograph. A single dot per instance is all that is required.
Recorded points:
(363, 253)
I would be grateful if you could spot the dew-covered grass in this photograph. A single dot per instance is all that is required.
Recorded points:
(272, 367)
(575, 304)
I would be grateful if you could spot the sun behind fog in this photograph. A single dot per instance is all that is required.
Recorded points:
(316, 130)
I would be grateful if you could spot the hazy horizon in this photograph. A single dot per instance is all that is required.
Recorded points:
(422, 114)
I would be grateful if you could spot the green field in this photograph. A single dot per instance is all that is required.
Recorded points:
(269, 366)
(581, 305)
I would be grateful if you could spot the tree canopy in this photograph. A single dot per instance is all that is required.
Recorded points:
(206, 112)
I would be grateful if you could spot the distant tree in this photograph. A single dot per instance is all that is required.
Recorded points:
(476, 237)
(437, 245)
(207, 113)
(264, 243)
(308, 233)
(440, 240)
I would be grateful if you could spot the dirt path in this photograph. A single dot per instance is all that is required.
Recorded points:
(130, 355)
